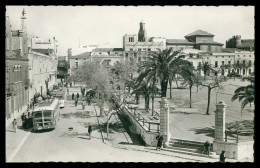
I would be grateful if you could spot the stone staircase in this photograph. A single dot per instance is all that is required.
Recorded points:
(188, 147)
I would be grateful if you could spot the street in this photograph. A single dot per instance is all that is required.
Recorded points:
(64, 145)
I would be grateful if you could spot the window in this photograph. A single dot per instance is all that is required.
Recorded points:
(40, 70)
(244, 55)
(223, 62)
(249, 55)
(222, 56)
(116, 53)
(149, 49)
(229, 62)
(47, 113)
(131, 39)
(244, 62)
(237, 62)
(135, 54)
(126, 54)
(131, 49)
(250, 62)
(228, 56)
(244, 71)
(249, 71)
(139, 49)
(77, 65)
(238, 55)
(126, 57)
(207, 57)
(107, 62)
(209, 48)
(144, 49)
(139, 59)
(216, 63)
(216, 56)
(237, 70)
(76, 58)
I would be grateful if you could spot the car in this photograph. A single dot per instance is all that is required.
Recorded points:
(61, 103)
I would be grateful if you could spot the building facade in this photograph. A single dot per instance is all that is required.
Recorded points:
(42, 65)
(17, 79)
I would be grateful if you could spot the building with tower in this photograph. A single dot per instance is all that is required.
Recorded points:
(198, 39)
(137, 47)
(17, 77)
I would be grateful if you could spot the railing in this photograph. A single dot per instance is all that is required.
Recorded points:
(139, 118)
(234, 139)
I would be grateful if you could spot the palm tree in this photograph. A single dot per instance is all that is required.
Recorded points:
(245, 93)
(160, 64)
(205, 67)
(146, 89)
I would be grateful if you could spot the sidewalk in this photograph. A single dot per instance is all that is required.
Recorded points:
(14, 140)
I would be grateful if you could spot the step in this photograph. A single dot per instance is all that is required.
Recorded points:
(186, 141)
(185, 149)
(186, 145)
(185, 152)
(198, 148)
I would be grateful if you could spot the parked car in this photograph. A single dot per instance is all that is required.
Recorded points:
(61, 103)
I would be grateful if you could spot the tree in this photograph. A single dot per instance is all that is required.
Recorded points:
(161, 63)
(189, 77)
(211, 84)
(245, 93)
(98, 79)
(206, 68)
(144, 88)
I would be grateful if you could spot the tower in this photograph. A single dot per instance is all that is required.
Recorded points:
(24, 34)
(142, 33)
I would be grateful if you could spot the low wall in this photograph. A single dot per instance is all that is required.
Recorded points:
(238, 151)
(148, 137)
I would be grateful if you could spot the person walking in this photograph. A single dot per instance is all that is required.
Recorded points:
(25, 122)
(76, 102)
(15, 125)
(83, 104)
(77, 95)
(23, 119)
(160, 141)
(222, 157)
(89, 130)
(206, 147)
(72, 96)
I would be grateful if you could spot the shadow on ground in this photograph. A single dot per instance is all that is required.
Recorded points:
(207, 131)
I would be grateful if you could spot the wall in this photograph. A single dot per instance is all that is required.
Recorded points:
(178, 47)
(41, 68)
(203, 39)
(238, 151)
(214, 48)
(148, 137)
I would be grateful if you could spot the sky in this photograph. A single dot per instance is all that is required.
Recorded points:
(97, 25)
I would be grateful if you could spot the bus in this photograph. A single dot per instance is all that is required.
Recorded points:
(46, 114)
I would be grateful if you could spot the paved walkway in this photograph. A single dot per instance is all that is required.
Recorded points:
(14, 140)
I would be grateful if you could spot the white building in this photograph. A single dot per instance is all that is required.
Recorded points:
(42, 65)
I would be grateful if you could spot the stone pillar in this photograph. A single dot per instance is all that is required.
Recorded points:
(164, 121)
(220, 115)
